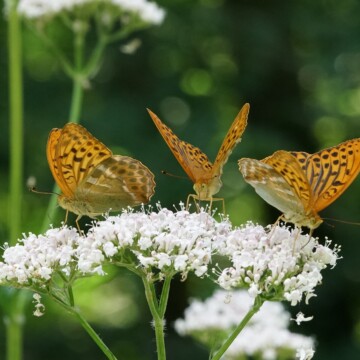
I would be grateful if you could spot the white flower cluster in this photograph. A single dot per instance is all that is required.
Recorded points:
(266, 334)
(282, 263)
(35, 258)
(162, 241)
(35, 9)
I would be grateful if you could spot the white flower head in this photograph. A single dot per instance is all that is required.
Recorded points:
(160, 243)
(283, 264)
(145, 10)
(266, 333)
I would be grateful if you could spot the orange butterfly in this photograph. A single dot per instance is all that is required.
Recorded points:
(300, 184)
(204, 174)
(92, 179)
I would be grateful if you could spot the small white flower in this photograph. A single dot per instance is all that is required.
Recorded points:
(300, 317)
(39, 307)
(305, 353)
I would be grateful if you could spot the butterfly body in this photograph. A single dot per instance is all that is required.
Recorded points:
(205, 175)
(93, 180)
(299, 184)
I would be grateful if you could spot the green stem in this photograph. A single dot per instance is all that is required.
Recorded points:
(253, 310)
(126, 31)
(54, 48)
(14, 320)
(94, 61)
(158, 319)
(76, 99)
(14, 317)
(16, 123)
(14, 337)
(164, 296)
(93, 335)
(78, 80)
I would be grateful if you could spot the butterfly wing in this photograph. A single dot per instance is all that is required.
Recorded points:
(271, 186)
(286, 165)
(194, 162)
(51, 147)
(279, 180)
(72, 152)
(232, 137)
(117, 182)
(330, 171)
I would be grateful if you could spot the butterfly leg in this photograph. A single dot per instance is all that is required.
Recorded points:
(218, 199)
(66, 216)
(77, 223)
(194, 197)
(273, 227)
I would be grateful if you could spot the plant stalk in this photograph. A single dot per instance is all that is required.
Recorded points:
(14, 314)
(157, 318)
(93, 335)
(253, 310)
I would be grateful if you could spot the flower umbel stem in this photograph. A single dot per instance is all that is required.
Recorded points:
(258, 302)
(158, 317)
(93, 335)
(164, 295)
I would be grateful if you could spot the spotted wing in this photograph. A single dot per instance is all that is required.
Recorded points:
(286, 165)
(271, 185)
(72, 153)
(232, 137)
(117, 182)
(330, 171)
(194, 162)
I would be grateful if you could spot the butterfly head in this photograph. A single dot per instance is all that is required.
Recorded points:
(314, 221)
(205, 189)
(310, 220)
(76, 206)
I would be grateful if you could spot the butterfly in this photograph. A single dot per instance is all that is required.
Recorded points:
(93, 180)
(204, 174)
(299, 184)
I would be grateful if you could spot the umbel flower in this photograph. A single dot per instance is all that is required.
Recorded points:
(277, 263)
(44, 10)
(154, 243)
(281, 265)
(274, 264)
(265, 337)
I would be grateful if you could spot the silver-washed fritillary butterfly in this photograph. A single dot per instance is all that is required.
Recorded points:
(299, 184)
(93, 180)
(205, 175)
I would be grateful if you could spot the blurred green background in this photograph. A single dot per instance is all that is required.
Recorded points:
(296, 63)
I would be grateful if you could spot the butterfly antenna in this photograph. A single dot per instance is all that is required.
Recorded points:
(164, 172)
(341, 221)
(33, 189)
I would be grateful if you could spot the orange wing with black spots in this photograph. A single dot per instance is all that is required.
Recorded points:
(72, 153)
(300, 184)
(195, 163)
(330, 171)
(91, 178)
